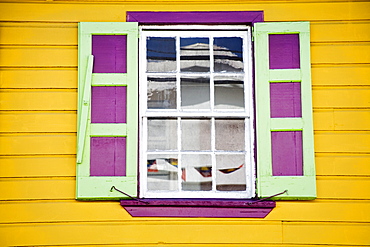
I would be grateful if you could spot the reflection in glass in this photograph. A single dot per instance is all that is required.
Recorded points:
(161, 92)
(195, 93)
(196, 134)
(228, 54)
(196, 172)
(231, 172)
(229, 92)
(162, 134)
(229, 134)
(194, 55)
(162, 172)
(161, 54)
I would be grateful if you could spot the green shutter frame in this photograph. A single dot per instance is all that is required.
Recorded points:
(298, 187)
(99, 187)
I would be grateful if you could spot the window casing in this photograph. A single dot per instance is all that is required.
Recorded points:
(196, 112)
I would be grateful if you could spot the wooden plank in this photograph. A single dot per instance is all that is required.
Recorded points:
(340, 31)
(37, 166)
(341, 119)
(67, 55)
(38, 78)
(38, 33)
(342, 164)
(51, 188)
(343, 187)
(321, 210)
(38, 121)
(334, 97)
(143, 233)
(342, 142)
(38, 144)
(347, 188)
(274, 11)
(349, 53)
(64, 143)
(69, 211)
(341, 97)
(326, 233)
(38, 56)
(66, 33)
(39, 99)
(340, 75)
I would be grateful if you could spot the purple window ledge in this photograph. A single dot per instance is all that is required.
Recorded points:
(211, 208)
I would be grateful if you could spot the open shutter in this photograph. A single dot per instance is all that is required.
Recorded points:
(107, 110)
(285, 153)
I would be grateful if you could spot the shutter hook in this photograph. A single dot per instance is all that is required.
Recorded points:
(266, 198)
(114, 188)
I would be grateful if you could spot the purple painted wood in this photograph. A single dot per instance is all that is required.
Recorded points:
(109, 53)
(287, 153)
(201, 212)
(284, 51)
(108, 104)
(108, 156)
(216, 17)
(285, 100)
(200, 203)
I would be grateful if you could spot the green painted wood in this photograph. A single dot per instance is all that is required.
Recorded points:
(85, 108)
(105, 79)
(298, 187)
(99, 188)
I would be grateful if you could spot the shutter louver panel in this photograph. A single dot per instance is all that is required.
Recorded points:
(108, 109)
(285, 153)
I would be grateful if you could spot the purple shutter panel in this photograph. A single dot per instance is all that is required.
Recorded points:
(109, 53)
(108, 106)
(285, 102)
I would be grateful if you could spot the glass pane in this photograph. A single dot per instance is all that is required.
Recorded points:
(161, 92)
(162, 134)
(229, 92)
(195, 93)
(228, 54)
(161, 54)
(194, 55)
(196, 172)
(162, 172)
(196, 134)
(229, 134)
(231, 172)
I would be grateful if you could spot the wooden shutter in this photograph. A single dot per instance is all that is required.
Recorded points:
(285, 153)
(107, 110)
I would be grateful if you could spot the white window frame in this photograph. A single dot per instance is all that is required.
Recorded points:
(247, 113)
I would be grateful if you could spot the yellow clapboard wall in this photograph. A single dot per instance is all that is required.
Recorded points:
(38, 103)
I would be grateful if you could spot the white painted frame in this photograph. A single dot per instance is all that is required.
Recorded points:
(247, 113)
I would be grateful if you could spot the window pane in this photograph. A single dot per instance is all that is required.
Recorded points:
(196, 172)
(194, 54)
(161, 92)
(229, 134)
(229, 92)
(231, 173)
(161, 54)
(195, 93)
(162, 134)
(228, 54)
(196, 134)
(162, 172)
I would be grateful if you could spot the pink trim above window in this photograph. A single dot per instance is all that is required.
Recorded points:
(217, 17)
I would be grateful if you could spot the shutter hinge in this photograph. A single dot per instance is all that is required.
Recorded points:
(252, 33)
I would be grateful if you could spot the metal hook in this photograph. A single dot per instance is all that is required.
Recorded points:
(114, 188)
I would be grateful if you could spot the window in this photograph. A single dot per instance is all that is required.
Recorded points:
(194, 104)
(196, 112)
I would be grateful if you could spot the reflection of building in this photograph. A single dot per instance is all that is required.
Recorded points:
(196, 58)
